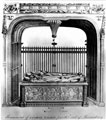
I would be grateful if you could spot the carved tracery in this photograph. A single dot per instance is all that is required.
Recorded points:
(75, 8)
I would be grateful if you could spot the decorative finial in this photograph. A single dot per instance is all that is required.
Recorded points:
(54, 25)
(4, 28)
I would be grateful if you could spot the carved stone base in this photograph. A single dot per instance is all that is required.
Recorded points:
(50, 104)
(22, 104)
(8, 104)
(100, 104)
(85, 104)
(4, 105)
(46, 94)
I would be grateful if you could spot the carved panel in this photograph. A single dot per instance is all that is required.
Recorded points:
(31, 8)
(10, 8)
(97, 9)
(71, 93)
(33, 93)
(53, 93)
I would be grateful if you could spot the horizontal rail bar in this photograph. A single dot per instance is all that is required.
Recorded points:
(55, 47)
(26, 51)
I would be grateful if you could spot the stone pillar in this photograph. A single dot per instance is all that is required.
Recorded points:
(102, 37)
(4, 32)
(4, 66)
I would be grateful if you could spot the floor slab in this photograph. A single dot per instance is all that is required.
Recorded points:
(54, 113)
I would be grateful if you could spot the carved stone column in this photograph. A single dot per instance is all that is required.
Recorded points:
(4, 32)
(102, 37)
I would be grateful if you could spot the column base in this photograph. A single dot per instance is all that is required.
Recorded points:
(22, 104)
(6, 104)
(85, 104)
(100, 104)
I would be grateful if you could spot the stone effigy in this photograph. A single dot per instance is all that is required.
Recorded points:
(42, 76)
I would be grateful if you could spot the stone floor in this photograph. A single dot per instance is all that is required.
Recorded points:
(53, 113)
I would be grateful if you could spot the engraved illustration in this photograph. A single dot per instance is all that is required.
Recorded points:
(55, 77)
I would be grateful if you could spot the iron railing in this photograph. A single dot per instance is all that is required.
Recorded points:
(58, 59)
